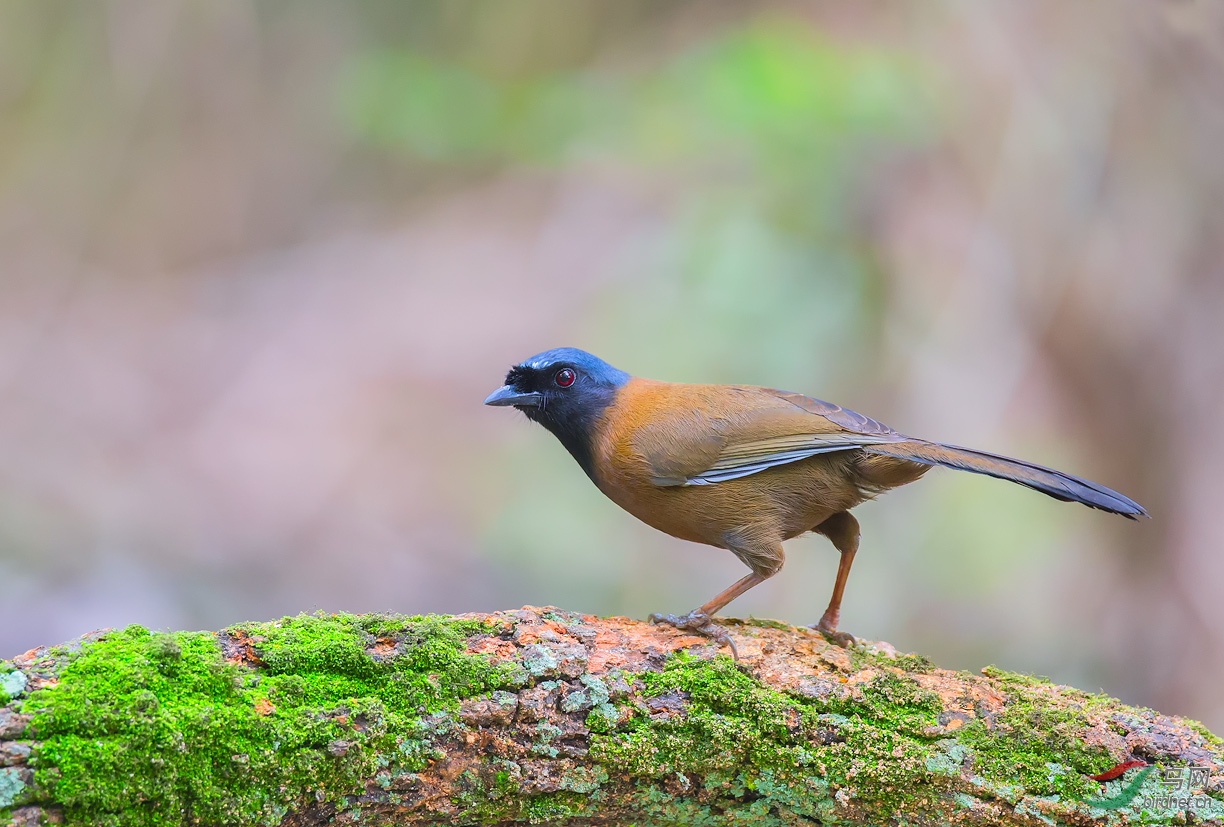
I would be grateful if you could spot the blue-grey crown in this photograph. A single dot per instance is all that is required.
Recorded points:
(594, 367)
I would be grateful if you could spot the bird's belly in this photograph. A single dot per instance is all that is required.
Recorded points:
(786, 500)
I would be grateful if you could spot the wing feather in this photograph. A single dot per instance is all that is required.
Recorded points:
(743, 459)
(748, 431)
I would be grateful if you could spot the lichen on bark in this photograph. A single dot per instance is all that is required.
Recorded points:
(544, 716)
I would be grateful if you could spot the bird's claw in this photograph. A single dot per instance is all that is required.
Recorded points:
(843, 639)
(698, 623)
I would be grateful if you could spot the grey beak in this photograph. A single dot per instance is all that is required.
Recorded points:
(506, 395)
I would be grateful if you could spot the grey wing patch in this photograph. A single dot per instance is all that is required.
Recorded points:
(744, 459)
(846, 418)
(753, 457)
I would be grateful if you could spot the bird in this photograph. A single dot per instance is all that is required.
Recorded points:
(745, 468)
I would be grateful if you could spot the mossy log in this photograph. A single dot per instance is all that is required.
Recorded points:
(546, 716)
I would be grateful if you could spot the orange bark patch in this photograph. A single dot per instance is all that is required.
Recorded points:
(383, 647)
(494, 647)
(238, 648)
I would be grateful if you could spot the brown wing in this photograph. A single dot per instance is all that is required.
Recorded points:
(718, 433)
(845, 418)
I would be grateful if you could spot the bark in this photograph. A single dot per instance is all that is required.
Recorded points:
(546, 716)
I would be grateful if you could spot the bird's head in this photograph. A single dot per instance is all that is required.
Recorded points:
(565, 390)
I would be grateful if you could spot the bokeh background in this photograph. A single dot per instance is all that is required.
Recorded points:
(261, 262)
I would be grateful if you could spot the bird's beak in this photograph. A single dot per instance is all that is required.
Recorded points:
(506, 395)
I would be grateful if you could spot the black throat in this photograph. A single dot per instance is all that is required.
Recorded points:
(573, 421)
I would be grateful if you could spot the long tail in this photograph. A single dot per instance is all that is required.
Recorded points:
(1056, 484)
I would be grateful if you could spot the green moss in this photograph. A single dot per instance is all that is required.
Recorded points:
(153, 729)
(725, 731)
(156, 729)
(728, 718)
(1209, 738)
(543, 809)
(894, 700)
(1013, 680)
(489, 794)
(914, 663)
(728, 732)
(1036, 743)
(766, 623)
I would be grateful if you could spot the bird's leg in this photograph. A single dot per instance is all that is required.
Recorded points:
(761, 551)
(843, 530)
(699, 620)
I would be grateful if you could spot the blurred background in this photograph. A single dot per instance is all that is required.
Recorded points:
(261, 262)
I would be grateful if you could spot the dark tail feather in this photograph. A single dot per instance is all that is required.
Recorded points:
(1056, 484)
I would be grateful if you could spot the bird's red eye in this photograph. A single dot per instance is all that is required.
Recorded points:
(564, 378)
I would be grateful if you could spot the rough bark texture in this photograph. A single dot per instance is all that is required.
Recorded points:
(546, 716)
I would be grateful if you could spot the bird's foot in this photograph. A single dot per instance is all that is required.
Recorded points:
(828, 627)
(698, 623)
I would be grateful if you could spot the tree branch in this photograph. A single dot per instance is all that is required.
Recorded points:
(546, 716)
